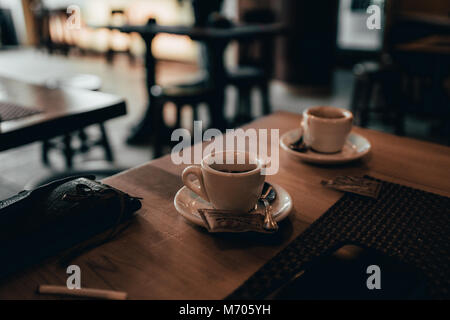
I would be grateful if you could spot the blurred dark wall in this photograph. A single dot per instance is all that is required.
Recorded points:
(8, 35)
(306, 55)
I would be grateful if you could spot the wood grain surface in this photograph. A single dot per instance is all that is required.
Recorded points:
(161, 256)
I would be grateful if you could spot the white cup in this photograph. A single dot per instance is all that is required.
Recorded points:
(325, 129)
(235, 183)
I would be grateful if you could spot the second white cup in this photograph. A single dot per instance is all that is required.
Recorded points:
(325, 129)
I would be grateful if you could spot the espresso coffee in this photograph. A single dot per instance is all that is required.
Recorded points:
(233, 171)
(326, 113)
(233, 168)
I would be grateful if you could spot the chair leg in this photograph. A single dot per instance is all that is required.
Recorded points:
(215, 106)
(83, 139)
(104, 141)
(157, 125)
(45, 150)
(244, 105)
(265, 95)
(364, 106)
(68, 151)
(109, 56)
(356, 98)
(178, 119)
(195, 112)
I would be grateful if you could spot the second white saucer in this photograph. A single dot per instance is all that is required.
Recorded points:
(355, 148)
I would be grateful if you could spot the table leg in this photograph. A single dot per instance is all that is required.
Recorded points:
(104, 141)
(144, 130)
(244, 105)
(68, 150)
(217, 79)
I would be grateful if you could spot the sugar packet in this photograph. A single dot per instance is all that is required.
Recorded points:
(358, 185)
(230, 221)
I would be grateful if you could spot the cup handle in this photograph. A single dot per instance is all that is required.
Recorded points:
(198, 189)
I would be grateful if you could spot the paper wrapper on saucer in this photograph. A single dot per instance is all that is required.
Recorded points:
(358, 185)
(230, 221)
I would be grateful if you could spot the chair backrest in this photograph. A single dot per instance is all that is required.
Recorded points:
(258, 52)
(7, 31)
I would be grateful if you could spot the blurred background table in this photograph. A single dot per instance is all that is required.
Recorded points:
(215, 40)
(60, 111)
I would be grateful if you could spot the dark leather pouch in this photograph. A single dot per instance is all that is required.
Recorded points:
(65, 214)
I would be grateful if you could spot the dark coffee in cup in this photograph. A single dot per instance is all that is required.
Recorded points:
(234, 168)
(327, 113)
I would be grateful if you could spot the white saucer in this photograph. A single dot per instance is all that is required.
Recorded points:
(355, 147)
(187, 203)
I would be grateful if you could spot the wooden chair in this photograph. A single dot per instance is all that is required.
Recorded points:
(370, 76)
(254, 69)
(180, 96)
(64, 144)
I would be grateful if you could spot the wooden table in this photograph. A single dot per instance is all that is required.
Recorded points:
(435, 44)
(161, 256)
(215, 39)
(440, 21)
(239, 31)
(62, 111)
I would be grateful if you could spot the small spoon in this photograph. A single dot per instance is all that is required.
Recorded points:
(299, 145)
(268, 195)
